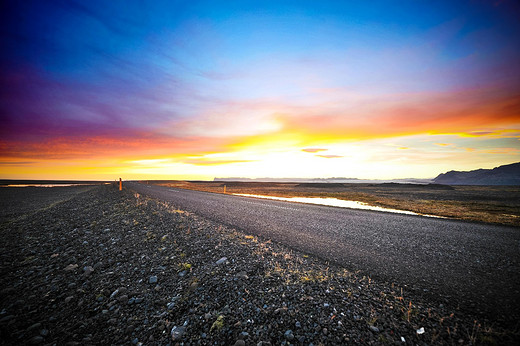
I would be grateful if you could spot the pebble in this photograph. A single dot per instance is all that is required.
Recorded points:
(298, 324)
(70, 267)
(34, 326)
(36, 340)
(289, 335)
(374, 329)
(240, 343)
(87, 271)
(152, 280)
(139, 300)
(177, 332)
(221, 261)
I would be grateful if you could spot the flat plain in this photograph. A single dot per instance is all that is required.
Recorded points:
(94, 265)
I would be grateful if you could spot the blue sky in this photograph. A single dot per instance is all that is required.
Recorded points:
(178, 82)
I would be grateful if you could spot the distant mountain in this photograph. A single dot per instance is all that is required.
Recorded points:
(336, 180)
(503, 175)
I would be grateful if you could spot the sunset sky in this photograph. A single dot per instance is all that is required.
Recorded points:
(200, 89)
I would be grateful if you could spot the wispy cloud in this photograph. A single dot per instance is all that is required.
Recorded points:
(330, 156)
(313, 150)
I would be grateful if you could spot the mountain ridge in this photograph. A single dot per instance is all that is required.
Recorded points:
(501, 175)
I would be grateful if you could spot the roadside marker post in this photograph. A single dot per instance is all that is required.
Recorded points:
(224, 188)
(120, 184)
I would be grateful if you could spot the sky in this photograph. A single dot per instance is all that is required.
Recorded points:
(97, 90)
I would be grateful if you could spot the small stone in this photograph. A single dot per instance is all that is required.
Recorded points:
(114, 293)
(68, 299)
(44, 332)
(70, 267)
(326, 305)
(325, 331)
(131, 301)
(289, 335)
(87, 271)
(420, 330)
(123, 298)
(152, 280)
(135, 341)
(177, 332)
(183, 273)
(240, 343)
(374, 329)
(139, 300)
(298, 324)
(36, 340)
(170, 306)
(6, 319)
(34, 326)
(221, 261)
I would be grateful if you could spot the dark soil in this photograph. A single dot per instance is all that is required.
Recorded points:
(101, 266)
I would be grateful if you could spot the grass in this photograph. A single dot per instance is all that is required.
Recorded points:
(490, 204)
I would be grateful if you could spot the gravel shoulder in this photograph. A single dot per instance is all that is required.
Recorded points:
(108, 267)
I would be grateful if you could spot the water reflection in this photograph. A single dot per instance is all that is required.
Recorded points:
(334, 202)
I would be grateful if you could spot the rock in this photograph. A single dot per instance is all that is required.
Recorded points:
(68, 299)
(87, 271)
(70, 267)
(36, 340)
(221, 261)
(374, 329)
(152, 280)
(114, 293)
(34, 326)
(44, 332)
(289, 335)
(240, 343)
(177, 332)
(6, 319)
(139, 300)
(131, 301)
(420, 330)
(298, 324)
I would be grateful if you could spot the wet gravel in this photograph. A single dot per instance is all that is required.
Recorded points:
(110, 267)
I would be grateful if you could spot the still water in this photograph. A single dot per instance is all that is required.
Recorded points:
(334, 202)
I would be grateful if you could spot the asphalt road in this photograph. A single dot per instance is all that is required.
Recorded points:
(475, 266)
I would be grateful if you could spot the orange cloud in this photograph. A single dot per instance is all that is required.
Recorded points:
(330, 156)
(313, 150)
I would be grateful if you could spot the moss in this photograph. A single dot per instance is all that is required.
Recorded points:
(218, 324)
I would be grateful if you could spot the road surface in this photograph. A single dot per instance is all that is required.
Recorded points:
(473, 265)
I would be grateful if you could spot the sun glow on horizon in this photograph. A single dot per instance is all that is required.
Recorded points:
(278, 89)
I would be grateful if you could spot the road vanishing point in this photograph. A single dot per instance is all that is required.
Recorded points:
(475, 266)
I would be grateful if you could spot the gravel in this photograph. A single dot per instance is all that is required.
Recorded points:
(262, 293)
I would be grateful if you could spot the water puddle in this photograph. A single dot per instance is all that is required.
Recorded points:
(334, 202)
